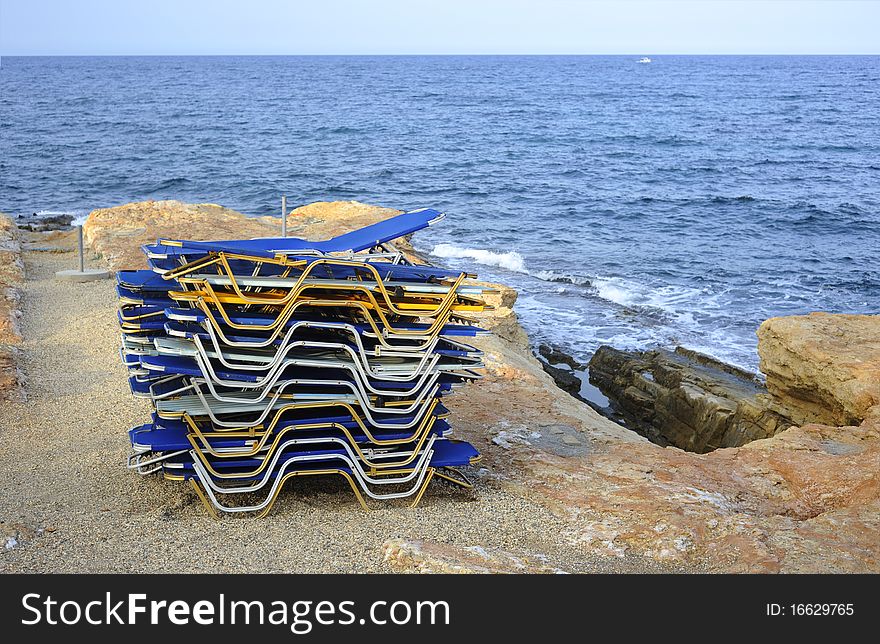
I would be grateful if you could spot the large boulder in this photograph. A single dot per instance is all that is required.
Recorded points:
(821, 367)
(117, 233)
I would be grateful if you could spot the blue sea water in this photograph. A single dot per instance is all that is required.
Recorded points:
(678, 202)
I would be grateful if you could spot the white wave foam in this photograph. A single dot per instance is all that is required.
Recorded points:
(510, 260)
(562, 278)
(679, 300)
(616, 290)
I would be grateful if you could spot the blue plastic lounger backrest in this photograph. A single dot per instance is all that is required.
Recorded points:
(356, 240)
(384, 231)
(453, 453)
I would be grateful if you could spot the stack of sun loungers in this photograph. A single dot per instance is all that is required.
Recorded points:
(267, 359)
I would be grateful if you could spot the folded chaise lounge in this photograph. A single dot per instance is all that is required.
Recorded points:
(268, 359)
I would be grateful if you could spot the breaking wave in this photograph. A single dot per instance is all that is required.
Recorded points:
(510, 260)
(673, 299)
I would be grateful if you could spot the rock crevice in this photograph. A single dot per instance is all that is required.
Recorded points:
(685, 399)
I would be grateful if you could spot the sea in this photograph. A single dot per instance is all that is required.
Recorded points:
(677, 202)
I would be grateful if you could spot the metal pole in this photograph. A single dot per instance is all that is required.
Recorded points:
(284, 215)
(81, 255)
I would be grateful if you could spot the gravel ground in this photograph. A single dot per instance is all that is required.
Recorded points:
(75, 508)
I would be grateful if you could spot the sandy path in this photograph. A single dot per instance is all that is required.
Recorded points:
(79, 509)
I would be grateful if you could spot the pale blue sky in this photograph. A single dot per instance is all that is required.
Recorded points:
(109, 27)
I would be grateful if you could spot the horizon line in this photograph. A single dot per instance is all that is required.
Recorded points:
(449, 54)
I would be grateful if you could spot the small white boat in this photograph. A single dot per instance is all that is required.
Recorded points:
(644, 60)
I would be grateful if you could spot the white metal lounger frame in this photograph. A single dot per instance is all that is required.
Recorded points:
(277, 385)
(202, 358)
(420, 456)
(282, 349)
(358, 359)
(193, 387)
(280, 478)
(367, 409)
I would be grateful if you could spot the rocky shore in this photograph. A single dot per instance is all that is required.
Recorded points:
(11, 277)
(789, 481)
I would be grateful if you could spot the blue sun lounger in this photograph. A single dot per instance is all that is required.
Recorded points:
(248, 391)
(355, 241)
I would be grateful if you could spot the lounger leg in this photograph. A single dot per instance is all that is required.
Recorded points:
(424, 487)
(211, 510)
(461, 481)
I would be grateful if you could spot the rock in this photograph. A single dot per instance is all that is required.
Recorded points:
(784, 504)
(431, 557)
(501, 319)
(565, 379)
(685, 399)
(117, 233)
(822, 368)
(43, 223)
(556, 356)
(564, 369)
(11, 277)
(571, 376)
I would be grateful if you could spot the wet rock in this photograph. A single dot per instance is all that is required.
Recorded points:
(38, 223)
(685, 399)
(42, 223)
(556, 356)
(565, 379)
(821, 367)
(562, 368)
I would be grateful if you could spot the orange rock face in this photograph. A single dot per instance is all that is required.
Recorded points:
(772, 506)
(825, 367)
